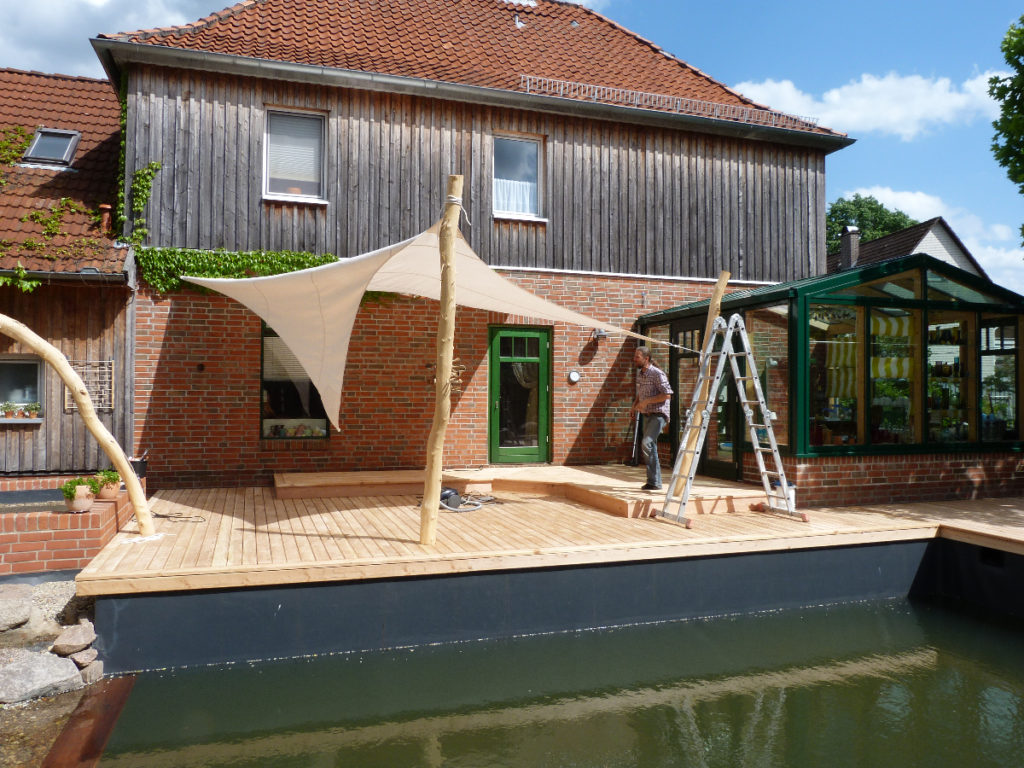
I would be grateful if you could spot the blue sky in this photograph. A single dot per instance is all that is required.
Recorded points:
(905, 78)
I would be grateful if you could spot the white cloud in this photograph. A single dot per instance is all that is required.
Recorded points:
(992, 245)
(902, 105)
(53, 35)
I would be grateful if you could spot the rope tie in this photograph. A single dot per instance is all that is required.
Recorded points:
(458, 201)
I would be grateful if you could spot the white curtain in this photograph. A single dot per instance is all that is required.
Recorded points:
(515, 196)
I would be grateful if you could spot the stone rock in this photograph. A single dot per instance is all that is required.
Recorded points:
(74, 639)
(15, 605)
(37, 674)
(92, 673)
(84, 658)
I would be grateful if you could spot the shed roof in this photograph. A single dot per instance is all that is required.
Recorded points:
(901, 243)
(31, 100)
(568, 49)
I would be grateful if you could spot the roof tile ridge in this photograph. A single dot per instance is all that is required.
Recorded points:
(204, 23)
(684, 64)
(52, 75)
(651, 44)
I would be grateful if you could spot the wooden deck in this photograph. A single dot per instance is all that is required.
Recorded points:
(539, 517)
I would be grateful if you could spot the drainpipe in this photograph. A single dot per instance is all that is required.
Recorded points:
(849, 245)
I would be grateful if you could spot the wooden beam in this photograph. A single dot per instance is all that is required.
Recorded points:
(443, 372)
(714, 308)
(21, 332)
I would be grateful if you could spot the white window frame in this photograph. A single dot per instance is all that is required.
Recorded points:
(498, 213)
(26, 360)
(320, 198)
(71, 137)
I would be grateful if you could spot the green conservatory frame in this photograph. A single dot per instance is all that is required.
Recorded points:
(910, 355)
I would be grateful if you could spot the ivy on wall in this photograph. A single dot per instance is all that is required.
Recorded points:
(162, 268)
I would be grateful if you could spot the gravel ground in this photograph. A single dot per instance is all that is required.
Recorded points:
(28, 729)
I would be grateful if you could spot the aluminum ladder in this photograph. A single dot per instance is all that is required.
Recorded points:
(780, 495)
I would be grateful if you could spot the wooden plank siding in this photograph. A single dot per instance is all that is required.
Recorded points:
(86, 323)
(618, 198)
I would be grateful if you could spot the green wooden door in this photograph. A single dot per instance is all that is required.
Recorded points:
(520, 395)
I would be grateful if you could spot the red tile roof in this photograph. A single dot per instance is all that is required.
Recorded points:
(32, 100)
(487, 43)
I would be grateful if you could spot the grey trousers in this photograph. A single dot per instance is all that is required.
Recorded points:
(654, 423)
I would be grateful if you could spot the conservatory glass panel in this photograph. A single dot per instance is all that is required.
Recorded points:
(941, 288)
(950, 394)
(768, 329)
(906, 285)
(836, 374)
(895, 354)
(998, 378)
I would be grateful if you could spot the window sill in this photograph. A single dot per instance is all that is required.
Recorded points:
(524, 217)
(295, 200)
(22, 420)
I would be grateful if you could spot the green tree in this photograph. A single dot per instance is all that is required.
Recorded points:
(1008, 142)
(872, 218)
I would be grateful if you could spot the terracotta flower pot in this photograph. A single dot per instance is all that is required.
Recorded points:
(109, 491)
(83, 500)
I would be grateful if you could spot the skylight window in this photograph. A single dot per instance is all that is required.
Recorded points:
(52, 146)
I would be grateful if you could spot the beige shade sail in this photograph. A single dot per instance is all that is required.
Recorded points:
(313, 310)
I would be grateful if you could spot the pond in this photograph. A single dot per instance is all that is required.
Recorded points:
(890, 683)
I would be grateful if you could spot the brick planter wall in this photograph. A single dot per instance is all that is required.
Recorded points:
(54, 541)
(850, 480)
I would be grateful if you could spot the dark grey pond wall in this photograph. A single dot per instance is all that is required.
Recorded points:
(220, 626)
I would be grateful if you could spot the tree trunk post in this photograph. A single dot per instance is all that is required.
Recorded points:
(22, 333)
(443, 372)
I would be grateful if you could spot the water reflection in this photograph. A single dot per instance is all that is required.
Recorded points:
(868, 684)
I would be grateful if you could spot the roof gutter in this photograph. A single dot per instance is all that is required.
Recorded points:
(113, 54)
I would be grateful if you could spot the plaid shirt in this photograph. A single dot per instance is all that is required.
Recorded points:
(651, 381)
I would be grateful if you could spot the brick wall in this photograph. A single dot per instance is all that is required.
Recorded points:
(849, 480)
(198, 384)
(31, 542)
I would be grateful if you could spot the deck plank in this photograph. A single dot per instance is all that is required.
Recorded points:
(239, 537)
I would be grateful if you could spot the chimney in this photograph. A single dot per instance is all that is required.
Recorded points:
(849, 245)
(105, 222)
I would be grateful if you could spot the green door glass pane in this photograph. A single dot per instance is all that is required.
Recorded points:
(519, 395)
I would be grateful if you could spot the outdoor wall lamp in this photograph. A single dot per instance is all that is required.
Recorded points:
(598, 334)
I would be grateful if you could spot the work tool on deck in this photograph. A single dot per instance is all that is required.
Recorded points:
(780, 495)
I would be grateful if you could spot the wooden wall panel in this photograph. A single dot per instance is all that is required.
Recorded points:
(85, 323)
(617, 198)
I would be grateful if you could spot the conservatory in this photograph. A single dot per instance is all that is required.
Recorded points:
(904, 373)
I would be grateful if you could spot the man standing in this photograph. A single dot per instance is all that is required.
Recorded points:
(651, 404)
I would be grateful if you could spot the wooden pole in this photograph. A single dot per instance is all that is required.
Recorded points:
(21, 332)
(714, 308)
(443, 372)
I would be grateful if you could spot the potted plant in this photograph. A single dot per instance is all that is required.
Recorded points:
(110, 483)
(32, 409)
(8, 408)
(80, 493)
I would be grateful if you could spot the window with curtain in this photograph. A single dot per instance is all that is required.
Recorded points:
(517, 176)
(294, 164)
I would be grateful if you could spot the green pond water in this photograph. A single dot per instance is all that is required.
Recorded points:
(870, 684)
